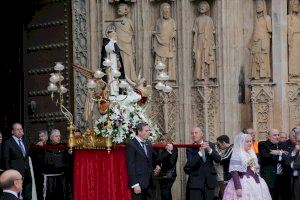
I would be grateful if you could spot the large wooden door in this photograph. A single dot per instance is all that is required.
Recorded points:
(46, 40)
(11, 71)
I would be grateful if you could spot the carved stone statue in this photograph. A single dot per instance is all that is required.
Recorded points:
(124, 29)
(204, 45)
(110, 50)
(294, 40)
(164, 40)
(260, 44)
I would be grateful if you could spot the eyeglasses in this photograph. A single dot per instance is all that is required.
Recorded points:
(20, 178)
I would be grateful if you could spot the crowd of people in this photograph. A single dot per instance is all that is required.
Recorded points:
(247, 169)
(43, 177)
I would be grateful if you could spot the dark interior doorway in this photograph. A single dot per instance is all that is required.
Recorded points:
(11, 86)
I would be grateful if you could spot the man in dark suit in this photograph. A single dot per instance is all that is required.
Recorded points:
(200, 168)
(15, 156)
(11, 181)
(274, 168)
(295, 165)
(140, 160)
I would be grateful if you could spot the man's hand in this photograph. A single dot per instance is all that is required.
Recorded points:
(274, 152)
(137, 189)
(285, 152)
(40, 143)
(157, 170)
(206, 146)
(239, 192)
(169, 147)
(297, 148)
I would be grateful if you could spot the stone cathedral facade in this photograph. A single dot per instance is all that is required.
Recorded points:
(233, 63)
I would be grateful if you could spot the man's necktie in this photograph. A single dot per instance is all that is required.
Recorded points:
(279, 169)
(144, 147)
(22, 147)
(203, 155)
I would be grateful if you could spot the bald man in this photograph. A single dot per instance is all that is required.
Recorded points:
(273, 166)
(199, 166)
(11, 181)
(15, 156)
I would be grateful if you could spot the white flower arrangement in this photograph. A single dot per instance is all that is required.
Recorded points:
(120, 122)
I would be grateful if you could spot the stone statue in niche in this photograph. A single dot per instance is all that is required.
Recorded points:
(260, 44)
(163, 41)
(124, 29)
(294, 40)
(204, 45)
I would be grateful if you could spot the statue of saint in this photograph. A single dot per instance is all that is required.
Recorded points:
(110, 50)
(164, 40)
(204, 45)
(294, 39)
(124, 29)
(260, 44)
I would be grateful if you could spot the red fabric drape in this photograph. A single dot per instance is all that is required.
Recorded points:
(99, 175)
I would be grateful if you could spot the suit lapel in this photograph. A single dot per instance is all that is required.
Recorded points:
(148, 149)
(139, 147)
(14, 143)
(25, 146)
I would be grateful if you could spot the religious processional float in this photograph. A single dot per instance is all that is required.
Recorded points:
(121, 105)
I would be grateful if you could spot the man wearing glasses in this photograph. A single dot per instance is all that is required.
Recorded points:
(11, 181)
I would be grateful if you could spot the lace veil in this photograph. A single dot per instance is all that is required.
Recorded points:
(238, 161)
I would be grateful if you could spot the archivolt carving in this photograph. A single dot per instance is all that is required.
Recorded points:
(79, 98)
(163, 112)
(294, 106)
(205, 109)
(262, 103)
(212, 115)
(198, 108)
(80, 32)
(80, 57)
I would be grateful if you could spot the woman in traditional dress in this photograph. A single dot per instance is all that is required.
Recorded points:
(245, 183)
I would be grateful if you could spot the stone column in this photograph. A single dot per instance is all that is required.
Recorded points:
(184, 38)
(232, 44)
(280, 63)
(94, 43)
